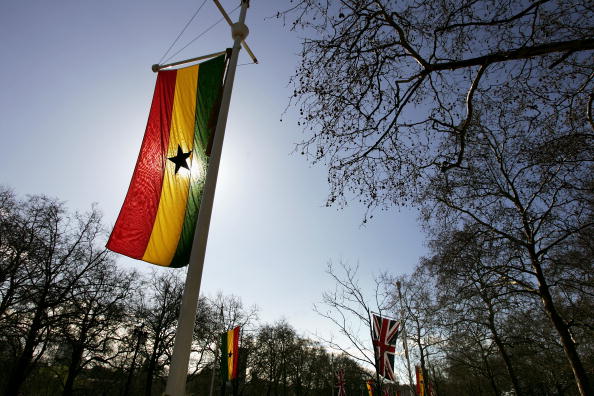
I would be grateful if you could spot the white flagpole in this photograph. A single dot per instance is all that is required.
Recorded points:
(178, 370)
(404, 338)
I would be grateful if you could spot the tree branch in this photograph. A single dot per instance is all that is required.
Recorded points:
(515, 54)
(464, 126)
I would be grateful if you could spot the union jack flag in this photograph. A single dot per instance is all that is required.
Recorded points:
(385, 333)
(340, 383)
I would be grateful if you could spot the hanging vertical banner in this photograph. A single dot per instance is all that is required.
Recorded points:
(385, 333)
(369, 385)
(420, 381)
(230, 354)
(158, 218)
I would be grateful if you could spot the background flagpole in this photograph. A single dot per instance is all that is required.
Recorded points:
(178, 370)
(404, 338)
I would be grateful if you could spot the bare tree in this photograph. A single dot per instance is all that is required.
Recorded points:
(481, 107)
(45, 253)
(285, 363)
(526, 184)
(15, 239)
(94, 313)
(418, 309)
(387, 90)
(158, 314)
(350, 311)
(472, 290)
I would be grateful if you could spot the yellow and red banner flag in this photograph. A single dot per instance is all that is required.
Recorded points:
(230, 354)
(369, 385)
(420, 381)
(158, 218)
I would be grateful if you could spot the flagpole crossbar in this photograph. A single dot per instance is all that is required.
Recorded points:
(157, 67)
(233, 26)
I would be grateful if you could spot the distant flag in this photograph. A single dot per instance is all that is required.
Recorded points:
(230, 354)
(158, 218)
(385, 333)
(420, 381)
(340, 383)
(369, 384)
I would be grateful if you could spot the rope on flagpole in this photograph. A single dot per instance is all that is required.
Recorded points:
(200, 35)
(182, 31)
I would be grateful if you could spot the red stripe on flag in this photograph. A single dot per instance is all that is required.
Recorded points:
(133, 227)
(235, 351)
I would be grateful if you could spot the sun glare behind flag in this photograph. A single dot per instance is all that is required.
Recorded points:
(385, 333)
(158, 217)
(230, 354)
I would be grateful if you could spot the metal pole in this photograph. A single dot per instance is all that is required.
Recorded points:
(157, 67)
(178, 371)
(404, 338)
(214, 366)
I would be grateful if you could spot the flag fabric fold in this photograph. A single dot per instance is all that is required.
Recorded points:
(230, 354)
(384, 335)
(158, 217)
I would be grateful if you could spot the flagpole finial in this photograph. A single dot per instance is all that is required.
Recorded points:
(239, 31)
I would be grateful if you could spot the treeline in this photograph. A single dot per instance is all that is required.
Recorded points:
(502, 304)
(477, 114)
(469, 328)
(74, 323)
(476, 331)
(487, 312)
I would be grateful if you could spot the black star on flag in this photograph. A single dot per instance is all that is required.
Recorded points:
(180, 159)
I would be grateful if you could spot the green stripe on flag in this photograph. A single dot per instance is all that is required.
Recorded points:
(224, 358)
(210, 81)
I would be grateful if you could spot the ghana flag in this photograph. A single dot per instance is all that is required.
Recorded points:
(158, 218)
(230, 354)
(369, 384)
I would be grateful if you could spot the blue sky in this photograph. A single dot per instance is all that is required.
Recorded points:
(75, 91)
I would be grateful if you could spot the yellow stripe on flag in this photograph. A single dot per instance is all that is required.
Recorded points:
(174, 194)
(230, 357)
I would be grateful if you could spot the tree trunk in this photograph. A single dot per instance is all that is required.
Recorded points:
(20, 371)
(569, 346)
(73, 369)
(503, 351)
(489, 372)
(151, 370)
(22, 367)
